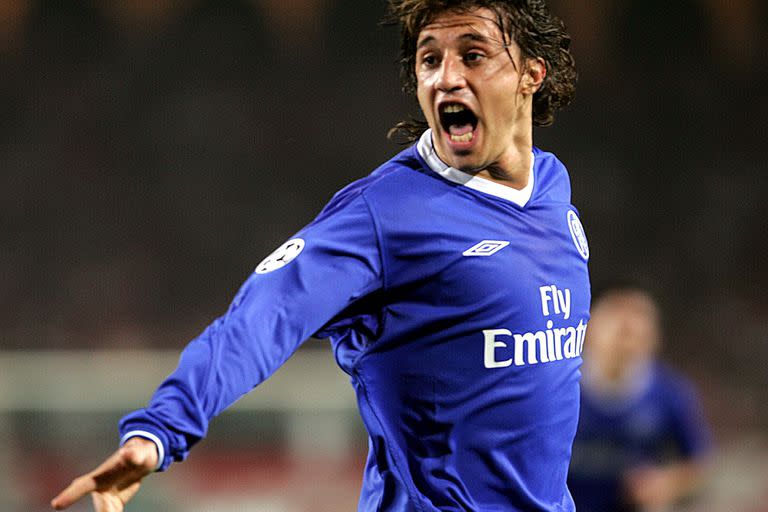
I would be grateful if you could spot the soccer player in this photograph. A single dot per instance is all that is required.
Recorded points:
(452, 283)
(642, 443)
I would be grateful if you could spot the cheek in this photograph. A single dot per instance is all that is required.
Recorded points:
(425, 78)
(504, 100)
(502, 120)
(425, 101)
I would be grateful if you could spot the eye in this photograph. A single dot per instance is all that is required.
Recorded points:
(473, 57)
(429, 60)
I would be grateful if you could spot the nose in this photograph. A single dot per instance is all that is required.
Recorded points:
(450, 75)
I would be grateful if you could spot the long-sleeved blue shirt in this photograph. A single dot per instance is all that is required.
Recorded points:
(458, 307)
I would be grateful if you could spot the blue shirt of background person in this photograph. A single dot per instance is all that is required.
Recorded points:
(642, 442)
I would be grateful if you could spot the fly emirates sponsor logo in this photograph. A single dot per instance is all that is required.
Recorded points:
(552, 344)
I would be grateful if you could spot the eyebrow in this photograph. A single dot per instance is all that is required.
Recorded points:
(425, 42)
(470, 36)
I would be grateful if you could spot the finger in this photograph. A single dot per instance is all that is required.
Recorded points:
(106, 502)
(126, 494)
(114, 500)
(77, 489)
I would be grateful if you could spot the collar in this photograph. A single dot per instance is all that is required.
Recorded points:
(427, 151)
(622, 396)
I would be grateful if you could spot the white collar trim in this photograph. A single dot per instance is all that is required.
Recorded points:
(519, 197)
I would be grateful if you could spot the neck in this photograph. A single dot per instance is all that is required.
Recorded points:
(514, 171)
(513, 168)
(613, 379)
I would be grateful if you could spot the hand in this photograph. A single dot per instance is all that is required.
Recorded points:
(649, 487)
(115, 481)
(658, 487)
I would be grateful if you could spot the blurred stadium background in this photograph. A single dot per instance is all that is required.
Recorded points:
(152, 152)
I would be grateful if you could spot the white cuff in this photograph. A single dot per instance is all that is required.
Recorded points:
(152, 437)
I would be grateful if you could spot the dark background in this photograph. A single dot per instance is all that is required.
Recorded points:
(153, 152)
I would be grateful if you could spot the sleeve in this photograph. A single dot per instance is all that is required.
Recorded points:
(294, 292)
(689, 426)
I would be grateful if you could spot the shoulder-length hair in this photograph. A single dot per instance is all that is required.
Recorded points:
(528, 23)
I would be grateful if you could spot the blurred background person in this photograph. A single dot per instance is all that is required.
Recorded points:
(642, 443)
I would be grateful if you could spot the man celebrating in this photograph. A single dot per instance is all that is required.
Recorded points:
(452, 283)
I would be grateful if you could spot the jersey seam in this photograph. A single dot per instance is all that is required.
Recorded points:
(212, 361)
(379, 241)
(384, 279)
(395, 463)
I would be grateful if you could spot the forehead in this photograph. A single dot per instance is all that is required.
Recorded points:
(634, 304)
(448, 25)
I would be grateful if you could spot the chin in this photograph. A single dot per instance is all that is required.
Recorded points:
(457, 158)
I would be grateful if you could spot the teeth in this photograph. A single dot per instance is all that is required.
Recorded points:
(463, 138)
(452, 109)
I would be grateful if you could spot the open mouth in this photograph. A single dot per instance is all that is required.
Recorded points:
(458, 121)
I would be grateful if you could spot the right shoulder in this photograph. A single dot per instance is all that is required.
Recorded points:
(396, 182)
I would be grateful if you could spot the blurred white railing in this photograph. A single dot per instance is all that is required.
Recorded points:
(116, 380)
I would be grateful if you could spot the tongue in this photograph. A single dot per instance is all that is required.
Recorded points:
(460, 129)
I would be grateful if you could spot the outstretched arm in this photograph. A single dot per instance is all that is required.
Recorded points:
(301, 289)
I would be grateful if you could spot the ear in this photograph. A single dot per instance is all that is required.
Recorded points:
(533, 76)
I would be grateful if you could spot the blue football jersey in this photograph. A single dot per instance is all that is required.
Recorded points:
(658, 422)
(458, 307)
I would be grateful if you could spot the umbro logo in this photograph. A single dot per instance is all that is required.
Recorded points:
(486, 248)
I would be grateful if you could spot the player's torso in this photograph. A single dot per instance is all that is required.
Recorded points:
(616, 434)
(474, 379)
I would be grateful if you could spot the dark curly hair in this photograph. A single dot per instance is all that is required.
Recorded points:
(528, 23)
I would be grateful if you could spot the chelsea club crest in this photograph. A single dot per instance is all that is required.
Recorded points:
(577, 233)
